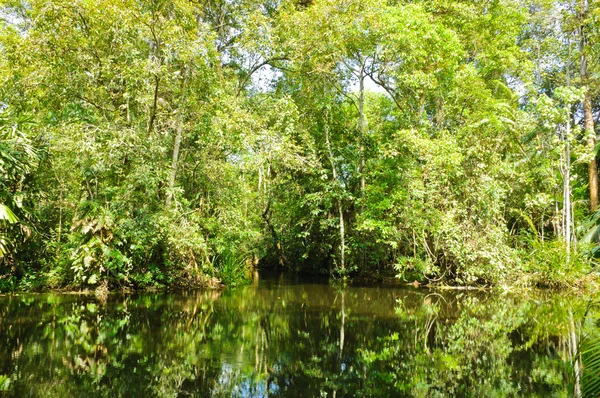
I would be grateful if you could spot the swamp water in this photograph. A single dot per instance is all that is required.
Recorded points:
(288, 337)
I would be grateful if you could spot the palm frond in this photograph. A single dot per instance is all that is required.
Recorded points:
(7, 214)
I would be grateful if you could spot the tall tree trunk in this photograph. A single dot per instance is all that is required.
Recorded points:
(361, 128)
(588, 118)
(567, 189)
(339, 201)
(567, 221)
(591, 143)
(177, 143)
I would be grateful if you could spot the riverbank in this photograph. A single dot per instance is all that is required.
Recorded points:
(586, 285)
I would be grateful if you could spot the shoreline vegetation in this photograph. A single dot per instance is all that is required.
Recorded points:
(179, 144)
(584, 288)
(588, 285)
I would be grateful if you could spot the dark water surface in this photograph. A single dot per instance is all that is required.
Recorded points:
(286, 337)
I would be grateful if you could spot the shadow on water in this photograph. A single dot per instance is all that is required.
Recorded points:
(291, 336)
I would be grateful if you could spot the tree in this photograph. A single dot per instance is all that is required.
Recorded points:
(588, 118)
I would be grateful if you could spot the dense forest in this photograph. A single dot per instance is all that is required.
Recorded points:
(181, 143)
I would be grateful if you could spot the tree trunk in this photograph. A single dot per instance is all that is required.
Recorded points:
(361, 129)
(567, 221)
(339, 201)
(174, 161)
(591, 143)
(177, 143)
(588, 118)
(567, 189)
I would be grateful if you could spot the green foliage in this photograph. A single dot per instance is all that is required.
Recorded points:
(590, 231)
(18, 158)
(232, 268)
(548, 264)
(141, 144)
(476, 353)
(590, 354)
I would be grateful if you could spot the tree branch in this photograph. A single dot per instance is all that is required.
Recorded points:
(254, 69)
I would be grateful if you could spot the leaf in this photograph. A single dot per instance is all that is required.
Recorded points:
(93, 279)
(7, 214)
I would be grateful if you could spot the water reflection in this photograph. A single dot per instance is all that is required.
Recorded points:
(284, 338)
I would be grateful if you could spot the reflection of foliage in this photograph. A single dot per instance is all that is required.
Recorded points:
(301, 340)
(492, 348)
(590, 352)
